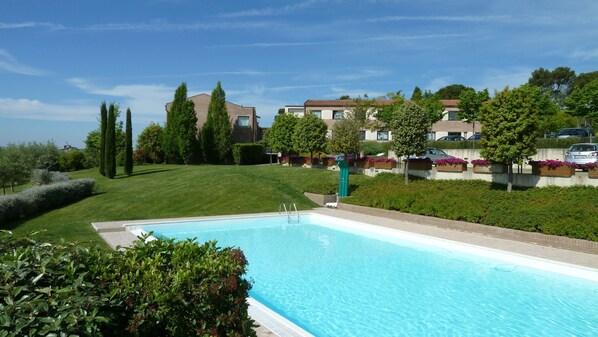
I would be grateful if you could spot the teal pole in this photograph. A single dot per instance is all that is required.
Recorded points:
(343, 177)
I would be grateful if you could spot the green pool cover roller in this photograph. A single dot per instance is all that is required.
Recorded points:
(343, 178)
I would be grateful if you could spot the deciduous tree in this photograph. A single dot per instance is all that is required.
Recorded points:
(432, 106)
(345, 138)
(410, 127)
(470, 104)
(149, 142)
(281, 133)
(583, 102)
(310, 134)
(557, 83)
(510, 122)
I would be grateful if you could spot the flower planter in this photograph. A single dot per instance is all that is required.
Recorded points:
(362, 164)
(451, 168)
(547, 171)
(384, 165)
(298, 161)
(492, 168)
(593, 173)
(419, 164)
(328, 161)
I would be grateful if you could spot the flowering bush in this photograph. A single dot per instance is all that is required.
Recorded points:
(552, 163)
(451, 161)
(591, 165)
(480, 162)
(381, 160)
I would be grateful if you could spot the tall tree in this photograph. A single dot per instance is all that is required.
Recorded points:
(128, 165)
(583, 102)
(385, 113)
(170, 143)
(103, 121)
(187, 142)
(345, 138)
(281, 133)
(510, 127)
(584, 78)
(149, 143)
(310, 134)
(557, 83)
(451, 91)
(417, 94)
(410, 132)
(470, 103)
(216, 133)
(432, 106)
(110, 151)
(345, 97)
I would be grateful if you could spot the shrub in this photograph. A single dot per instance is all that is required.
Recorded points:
(374, 148)
(322, 188)
(72, 161)
(45, 177)
(451, 161)
(248, 154)
(41, 198)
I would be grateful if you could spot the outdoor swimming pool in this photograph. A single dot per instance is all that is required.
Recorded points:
(335, 277)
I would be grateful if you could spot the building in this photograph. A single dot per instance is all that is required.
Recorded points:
(332, 111)
(243, 119)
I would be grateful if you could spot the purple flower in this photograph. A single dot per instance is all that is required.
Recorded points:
(381, 160)
(552, 163)
(480, 162)
(451, 161)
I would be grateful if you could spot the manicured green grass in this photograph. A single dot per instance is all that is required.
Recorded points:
(165, 191)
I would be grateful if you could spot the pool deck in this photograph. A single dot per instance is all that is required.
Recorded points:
(564, 250)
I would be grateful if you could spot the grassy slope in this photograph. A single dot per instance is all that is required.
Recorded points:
(160, 191)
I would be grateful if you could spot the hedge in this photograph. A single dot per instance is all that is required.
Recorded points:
(563, 211)
(542, 143)
(248, 153)
(41, 198)
(156, 288)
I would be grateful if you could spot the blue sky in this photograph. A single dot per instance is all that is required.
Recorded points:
(60, 59)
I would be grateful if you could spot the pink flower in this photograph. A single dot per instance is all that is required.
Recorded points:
(451, 161)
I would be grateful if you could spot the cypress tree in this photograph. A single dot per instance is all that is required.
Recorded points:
(172, 128)
(103, 117)
(110, 157)
(216, 134)
(187, 135)
(128, 145)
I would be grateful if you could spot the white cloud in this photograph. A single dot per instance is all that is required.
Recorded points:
(585, 54)
(10, 64)
(161, 26)
(269, 11)
(29, 24)
(34, 109)
(145, 100)
(466, 18)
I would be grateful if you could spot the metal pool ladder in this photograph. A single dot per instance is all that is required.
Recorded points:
(282, 207)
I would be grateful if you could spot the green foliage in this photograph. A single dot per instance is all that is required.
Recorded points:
(564, 211)
(417, 94)
(385, 113)
(128, 160)
(451, 91)
(186, 142)
(149, 142)
(557, 83)
(584, 78)
(510, 125)
(470, 104)
(18, 160)
(103, 125)
(583, 102)
(110, 151)
(330, 187)
(45, 177)
(41, 198)
(432, 106)
(216, 133)
(72, 161)
(169, 143)
(93, 141)
(310, 134)
(410, 129)
(345, 138)
(373, 148)
(248, 154)
(281, 133)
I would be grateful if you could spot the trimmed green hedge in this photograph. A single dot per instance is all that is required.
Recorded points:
(248, 153)
(371, 148)
(542, 143)
(564, 211)
(158, 288)
(42, 198)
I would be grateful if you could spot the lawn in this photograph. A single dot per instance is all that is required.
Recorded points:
(164, 191)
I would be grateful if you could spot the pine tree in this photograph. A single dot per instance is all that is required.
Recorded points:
(216, 133)
(110, 152)
(128, 145)
(103, 117)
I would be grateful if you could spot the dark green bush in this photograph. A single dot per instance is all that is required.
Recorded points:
(158, 288)
(72, 161)
(373, 148)
(41, 198)
(248, 153)
(45, 177)
(542, 143)
(322, 188)
(566, 211)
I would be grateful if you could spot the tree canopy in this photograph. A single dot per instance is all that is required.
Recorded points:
(149, 143)
(345, 138)
(557, 83)
(310, 134)
(451, 91)
(281, 133)
(583, 101)
(510, 127)
(432, 106)
(417, 94)
(216, 133)
(410, 127)
(470, 104)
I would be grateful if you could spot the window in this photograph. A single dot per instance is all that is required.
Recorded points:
(243, 121)
(382, 135)
(432, 135)
(362, 135)
(452, 116)
(317, 113)
(337, 114)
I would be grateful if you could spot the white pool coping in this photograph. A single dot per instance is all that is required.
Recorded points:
(282, 327)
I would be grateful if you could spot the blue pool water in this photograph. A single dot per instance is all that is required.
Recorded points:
(336, 280)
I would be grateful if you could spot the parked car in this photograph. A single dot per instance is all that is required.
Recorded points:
(475, 136)
(452, 137)
(582, 153)
(432, 153)
(574, 132)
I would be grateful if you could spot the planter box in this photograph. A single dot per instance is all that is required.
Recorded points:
(452, 168)
(546, 171)
(383, 165)
(492, 168)
(419, 164)
(593, 173)
(328, 161)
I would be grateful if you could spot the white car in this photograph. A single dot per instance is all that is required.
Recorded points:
(582, 153)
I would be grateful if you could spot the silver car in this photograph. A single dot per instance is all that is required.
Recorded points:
(582, 153)
(432, 153)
